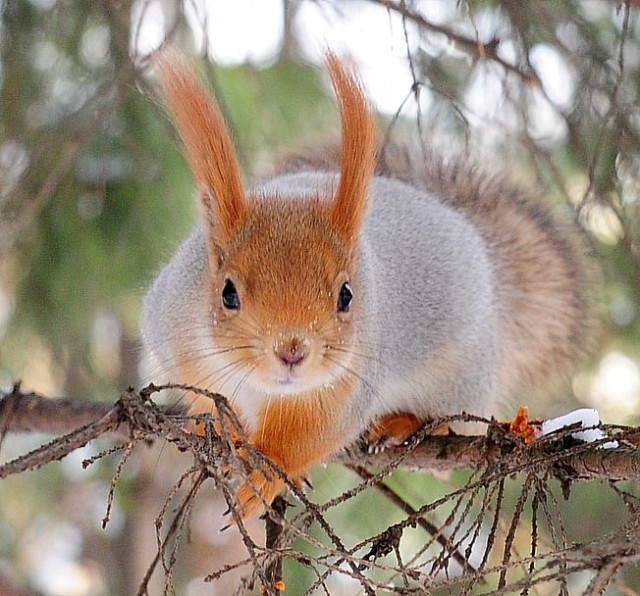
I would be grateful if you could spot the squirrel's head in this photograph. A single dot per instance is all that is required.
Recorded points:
(283, 284)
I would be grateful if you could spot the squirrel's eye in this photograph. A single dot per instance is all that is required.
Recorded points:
(345, 297)
(230, 298)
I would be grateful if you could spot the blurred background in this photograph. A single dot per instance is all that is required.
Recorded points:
(95, 196)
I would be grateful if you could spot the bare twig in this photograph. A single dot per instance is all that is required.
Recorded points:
(274, 527)
(425, 524)
(28, 412)
(472, 47)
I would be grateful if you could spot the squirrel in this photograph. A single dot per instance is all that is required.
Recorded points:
(357, 290)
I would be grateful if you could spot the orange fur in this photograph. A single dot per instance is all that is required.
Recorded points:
(359, 148)
(207, 143)
(294, 434)
(395, 427)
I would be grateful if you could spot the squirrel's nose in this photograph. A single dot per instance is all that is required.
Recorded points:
(290, 358)
(293, 351)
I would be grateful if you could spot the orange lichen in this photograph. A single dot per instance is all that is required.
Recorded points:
(278, 586)
(521, 426)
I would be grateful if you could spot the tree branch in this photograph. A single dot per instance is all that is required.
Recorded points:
(471, 47)
(28, 412)
(135, 415)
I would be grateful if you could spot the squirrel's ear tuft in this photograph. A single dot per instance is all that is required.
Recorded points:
(359, 150)
(208, 146)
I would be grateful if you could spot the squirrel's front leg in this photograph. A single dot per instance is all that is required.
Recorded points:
(294, 436)
(263, 478)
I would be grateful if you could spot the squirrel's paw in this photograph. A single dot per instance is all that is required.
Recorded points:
(260, 489)
(392, 430)
(257, 492)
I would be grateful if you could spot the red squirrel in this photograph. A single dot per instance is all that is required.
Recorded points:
(356, 289)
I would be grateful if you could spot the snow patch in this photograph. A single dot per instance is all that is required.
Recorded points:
(589, 420)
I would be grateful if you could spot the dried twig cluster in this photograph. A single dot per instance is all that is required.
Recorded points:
(498, 530)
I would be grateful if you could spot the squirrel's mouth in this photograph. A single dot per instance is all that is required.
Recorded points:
(290, 379)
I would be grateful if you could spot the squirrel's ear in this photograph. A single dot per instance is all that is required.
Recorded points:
(208, 146)
(359, 148)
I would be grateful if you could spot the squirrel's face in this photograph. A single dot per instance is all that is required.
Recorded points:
(284, 301)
